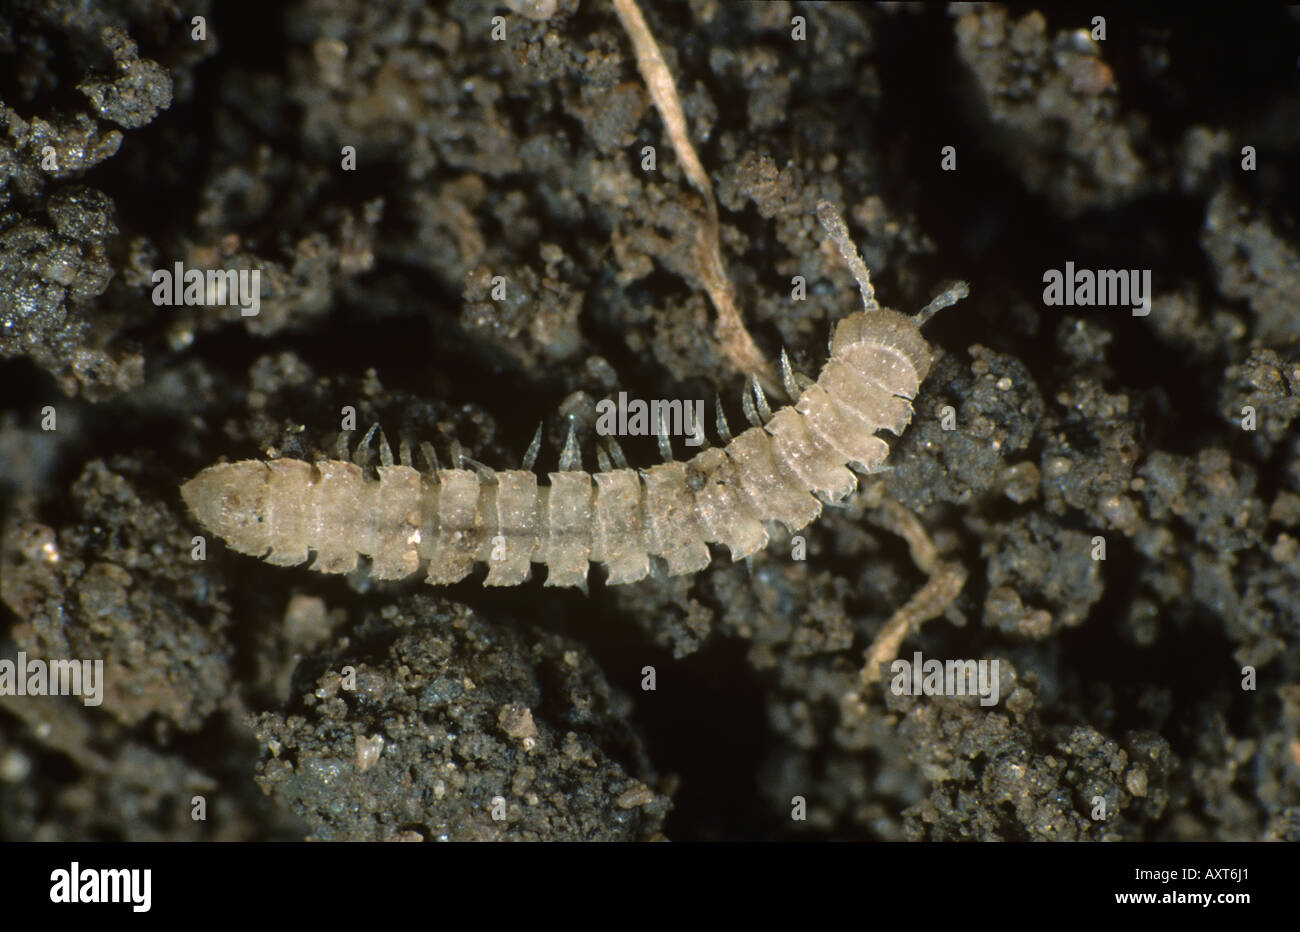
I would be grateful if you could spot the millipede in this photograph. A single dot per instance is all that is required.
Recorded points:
(446, 520)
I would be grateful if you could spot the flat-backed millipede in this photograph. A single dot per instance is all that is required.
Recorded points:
(450, 519)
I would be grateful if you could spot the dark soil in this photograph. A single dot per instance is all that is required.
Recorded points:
(1162, 680)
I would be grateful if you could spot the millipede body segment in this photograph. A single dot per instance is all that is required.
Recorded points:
(446, 521)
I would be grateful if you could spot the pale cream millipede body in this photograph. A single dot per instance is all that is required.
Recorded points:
(447, 520)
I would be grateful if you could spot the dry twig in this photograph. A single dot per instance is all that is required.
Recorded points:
(736, 343)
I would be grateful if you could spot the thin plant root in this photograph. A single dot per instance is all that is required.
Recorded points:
(735, 341)
(939, 592)
(896, 519)
(933, 598)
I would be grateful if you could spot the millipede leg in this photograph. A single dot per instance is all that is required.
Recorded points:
(760, 400)
(665, 446)
(571, 455)
(724, 429)
(616, 451)
(362, 455)
(796, 383)
(530, 455)
(751, 415)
